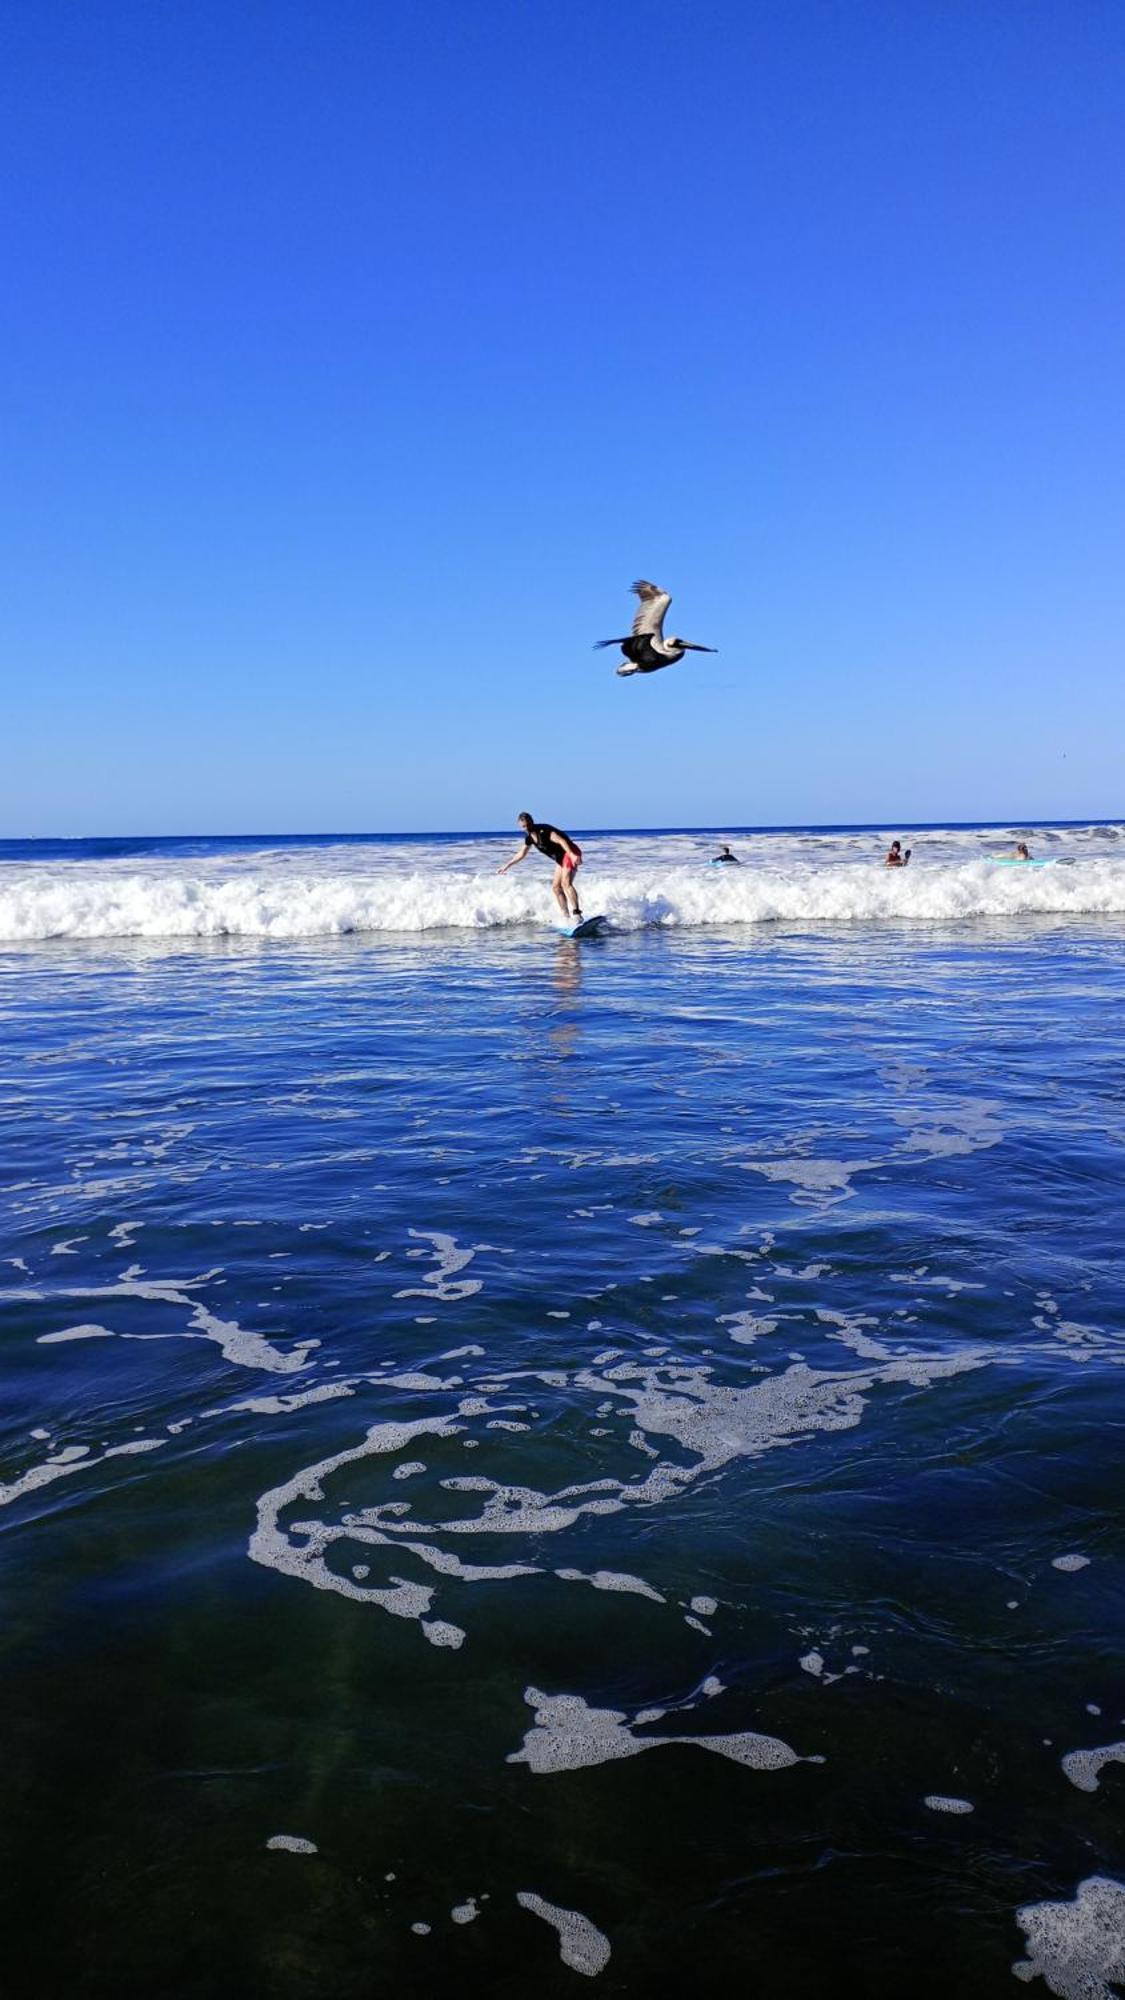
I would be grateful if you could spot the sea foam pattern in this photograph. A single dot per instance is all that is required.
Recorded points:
(227, 890)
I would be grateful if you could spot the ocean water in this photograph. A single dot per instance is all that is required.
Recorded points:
(524, 1462)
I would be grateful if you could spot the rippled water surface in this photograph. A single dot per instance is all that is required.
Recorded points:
(526, 1462)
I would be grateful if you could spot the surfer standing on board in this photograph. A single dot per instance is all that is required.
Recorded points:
(559, 848)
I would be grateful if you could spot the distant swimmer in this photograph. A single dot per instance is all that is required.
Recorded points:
(895, 856)
(646, 649)
(1020, 852)
(725, 855)
(559, 848)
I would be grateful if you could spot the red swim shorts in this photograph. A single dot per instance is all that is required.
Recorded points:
(569, 862)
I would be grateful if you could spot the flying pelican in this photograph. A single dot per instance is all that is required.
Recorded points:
(646, 649)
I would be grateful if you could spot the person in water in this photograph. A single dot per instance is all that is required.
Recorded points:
(895, 856)
(559, 848)
(1020, 852)
(725, 854)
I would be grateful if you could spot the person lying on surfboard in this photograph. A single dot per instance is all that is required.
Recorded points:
(559, 848)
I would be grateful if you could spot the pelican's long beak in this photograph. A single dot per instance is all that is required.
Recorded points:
(690, 647)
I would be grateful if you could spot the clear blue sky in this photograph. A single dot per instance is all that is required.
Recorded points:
(359, 355)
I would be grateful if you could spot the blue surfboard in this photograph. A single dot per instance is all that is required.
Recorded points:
(586, 927)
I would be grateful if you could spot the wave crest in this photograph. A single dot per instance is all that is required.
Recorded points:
(277, 902)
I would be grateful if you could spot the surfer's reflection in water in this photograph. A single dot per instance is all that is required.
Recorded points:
(566, 978)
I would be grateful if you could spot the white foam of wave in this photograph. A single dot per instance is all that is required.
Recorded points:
(247, 1349)
(569, 1735)
(612, 1579)
(276, 1406)
(75, 1458)
(275, 1549)
(814, 1663)
(960, 1130)
(1080, 1342)
(920, 1281)
(442, 1283)
(716, 1424)
(75, 1333)
(1083, 1767)
(941, 1802)
(708, 1422)
(337, 891)
(290, 1843)
(814, 1177)
(439, 1633)
(1078, 1948)
(747, 1327)
(582, 1945)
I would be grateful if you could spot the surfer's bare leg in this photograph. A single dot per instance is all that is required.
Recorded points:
(558, 890)
(568, 875)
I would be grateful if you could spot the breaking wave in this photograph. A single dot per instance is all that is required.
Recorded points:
(295, 906)
(635, 883)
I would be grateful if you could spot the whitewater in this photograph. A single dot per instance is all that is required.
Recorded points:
(215, 889)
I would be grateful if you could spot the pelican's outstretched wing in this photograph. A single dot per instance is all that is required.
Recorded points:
(649, 621)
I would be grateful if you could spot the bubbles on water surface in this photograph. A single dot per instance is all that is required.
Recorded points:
(582, 1945)
(1083, 1767)
(1077, 1948)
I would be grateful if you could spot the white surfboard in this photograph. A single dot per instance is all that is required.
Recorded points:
(585, 927)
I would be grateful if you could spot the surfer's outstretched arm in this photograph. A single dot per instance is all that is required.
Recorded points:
(521, 856)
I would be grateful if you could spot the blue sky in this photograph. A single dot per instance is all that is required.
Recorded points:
(361, 355)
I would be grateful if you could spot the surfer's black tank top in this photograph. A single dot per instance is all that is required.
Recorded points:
(540, 837)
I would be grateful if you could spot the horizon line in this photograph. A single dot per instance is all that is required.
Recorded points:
(502, 833)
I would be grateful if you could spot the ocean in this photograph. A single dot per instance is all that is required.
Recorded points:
(526, 1461)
